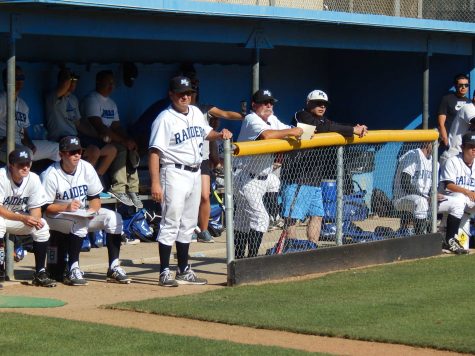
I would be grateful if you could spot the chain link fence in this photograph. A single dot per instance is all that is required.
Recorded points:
(327, 196)
(452, 10)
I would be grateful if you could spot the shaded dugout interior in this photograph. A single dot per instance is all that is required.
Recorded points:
(371, 66)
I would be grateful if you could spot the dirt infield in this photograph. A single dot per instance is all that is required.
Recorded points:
(141, 262)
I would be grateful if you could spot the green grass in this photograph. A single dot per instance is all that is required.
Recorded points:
(429, 303)
(33, 335)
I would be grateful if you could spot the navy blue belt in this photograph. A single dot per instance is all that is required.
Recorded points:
(185, 167)
(252, 175)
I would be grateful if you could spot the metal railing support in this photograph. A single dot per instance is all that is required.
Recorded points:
(229, 203)
(435, 176)
(339, 196)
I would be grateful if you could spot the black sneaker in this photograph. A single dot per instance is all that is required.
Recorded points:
(454, 247)
(123, 198)
(166, 279)
(117, 275)
(75, 278)
(188, 276)
(204, 236)
(41, 279)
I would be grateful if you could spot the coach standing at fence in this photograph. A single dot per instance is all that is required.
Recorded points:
(252, 173)
(175, 156)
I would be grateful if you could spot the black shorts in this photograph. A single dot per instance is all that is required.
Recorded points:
(205, 168)
(87, 140)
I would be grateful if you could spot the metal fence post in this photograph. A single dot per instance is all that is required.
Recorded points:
(339, 196)
(435, 181)
(228, 201)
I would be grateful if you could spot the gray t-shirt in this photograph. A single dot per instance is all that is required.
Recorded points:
(62, 114)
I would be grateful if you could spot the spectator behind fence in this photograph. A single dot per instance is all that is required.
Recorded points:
(175, 157)
(464, 121)
(212, 114)
(252, 174)
(412, 186)
(72, 191)
(21, 199)
(102, 113)
(41, 149)
(303, 170)
(63, 119)
(457, 181)
(448, 108)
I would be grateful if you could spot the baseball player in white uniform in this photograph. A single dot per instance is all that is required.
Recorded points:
(457, 180)
(72, 191)
(21, 199)
(252, 174)
(464, 121)
(175, 155)
(412, 185)
(42, 149)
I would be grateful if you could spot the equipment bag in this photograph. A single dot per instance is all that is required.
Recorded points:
(137, 226)
(354, 206)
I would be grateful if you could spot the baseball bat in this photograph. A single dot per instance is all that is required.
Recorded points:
(279, 248)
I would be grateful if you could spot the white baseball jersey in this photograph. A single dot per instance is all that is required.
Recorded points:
(22, 119)
(97, 105)
(62, 115)
(62, 188)
(419, 167)
(179, 137)
(251, 128)
(28, 195)
(460, 125)
(456, 171)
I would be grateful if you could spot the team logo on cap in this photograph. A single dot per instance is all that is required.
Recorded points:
(23, 154)
(185, 82)
(267, 92)
(74, 141)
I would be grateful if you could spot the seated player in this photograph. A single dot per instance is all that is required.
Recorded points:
(72, 191)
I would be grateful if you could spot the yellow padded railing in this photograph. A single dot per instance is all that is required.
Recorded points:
(332, 139)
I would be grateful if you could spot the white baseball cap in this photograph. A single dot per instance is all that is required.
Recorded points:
(317, 95)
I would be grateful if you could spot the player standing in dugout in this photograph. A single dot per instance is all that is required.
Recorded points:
(175, 156)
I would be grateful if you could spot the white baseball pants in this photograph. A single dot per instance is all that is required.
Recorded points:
(414, 204)
(19, 228)
(456, 204)
(180, 206)
(107, 220)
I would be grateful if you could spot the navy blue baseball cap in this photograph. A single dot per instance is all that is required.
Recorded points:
(69, 143)
(468, 138)
(20, 154)
(263, 95)
(181, 84)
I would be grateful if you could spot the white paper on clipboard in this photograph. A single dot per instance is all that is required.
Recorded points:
(308, 130)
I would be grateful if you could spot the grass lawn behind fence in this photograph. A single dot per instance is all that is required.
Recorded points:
(428, 303)
(34, 335)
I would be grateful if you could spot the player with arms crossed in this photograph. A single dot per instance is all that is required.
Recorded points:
(21, 199)
(457, 178)
(175, 157)
(72, 192)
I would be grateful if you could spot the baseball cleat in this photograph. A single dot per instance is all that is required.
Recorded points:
(41, 279)
(75, 278)
(166, 279)
(188, 276)
(117, 275)
(453, 246)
